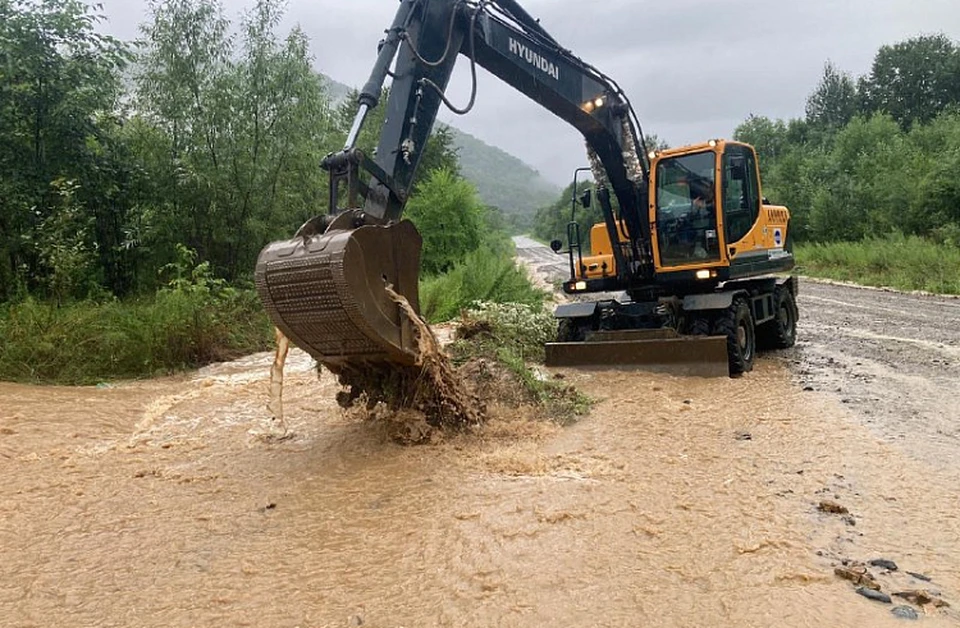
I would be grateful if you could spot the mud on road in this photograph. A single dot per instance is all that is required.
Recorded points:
(677, 502)
(893, 358)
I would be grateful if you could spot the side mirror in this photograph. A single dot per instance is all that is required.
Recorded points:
(586, 199)
(557, 246)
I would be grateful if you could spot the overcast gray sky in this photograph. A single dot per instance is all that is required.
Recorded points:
(694, 69)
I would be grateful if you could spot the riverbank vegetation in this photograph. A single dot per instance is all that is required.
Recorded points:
(892, 261)
(138, 183)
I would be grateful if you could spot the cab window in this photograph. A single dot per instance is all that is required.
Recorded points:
(741, 192)
(686, 209)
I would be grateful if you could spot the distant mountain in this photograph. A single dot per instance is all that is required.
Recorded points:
(338, 91)
(502, 180)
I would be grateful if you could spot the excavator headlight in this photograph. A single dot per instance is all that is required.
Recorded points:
(580, 285)
(588, 106)
(598, 102)
(703, 274)
(712, 143)
(652, 155)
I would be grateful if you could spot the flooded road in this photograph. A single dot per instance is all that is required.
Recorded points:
(677, 502)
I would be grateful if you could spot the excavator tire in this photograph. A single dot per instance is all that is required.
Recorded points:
(700, 326)
(781, 332)
(327, 292)
(736, 324)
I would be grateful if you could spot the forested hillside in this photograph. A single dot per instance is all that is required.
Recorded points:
(503, 180)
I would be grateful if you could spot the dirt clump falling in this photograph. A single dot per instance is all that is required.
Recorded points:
(431, 390)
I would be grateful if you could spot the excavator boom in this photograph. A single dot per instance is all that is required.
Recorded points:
(686, 235)
(326, 287)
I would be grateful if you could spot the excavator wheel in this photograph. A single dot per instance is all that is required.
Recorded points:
(736, 323)
(701, 325)
(327, 291)
(781, 332)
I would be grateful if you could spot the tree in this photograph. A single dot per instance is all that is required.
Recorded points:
(241, 130)
(913, 80)
(768, 137)
(59, 90)
(449, 216)
(834, 102)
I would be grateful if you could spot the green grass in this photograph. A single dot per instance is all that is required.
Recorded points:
(895, 261)
(484, 275)
(87, 343)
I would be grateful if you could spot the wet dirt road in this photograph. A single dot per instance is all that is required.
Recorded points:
(893, 358)
(677, 502)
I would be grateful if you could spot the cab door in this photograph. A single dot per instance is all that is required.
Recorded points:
(741, 193)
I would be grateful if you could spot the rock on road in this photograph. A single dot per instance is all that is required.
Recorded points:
(894, 358)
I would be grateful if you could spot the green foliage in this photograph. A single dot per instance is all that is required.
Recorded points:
(87, 342)
(890, 168)
(450, 218)
(234, 131)
(896, 261)
(519, 328)
(483, 275)
(834, 102)
(59, 88)
(914, 80)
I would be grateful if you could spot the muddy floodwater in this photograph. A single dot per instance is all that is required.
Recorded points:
(678, 502)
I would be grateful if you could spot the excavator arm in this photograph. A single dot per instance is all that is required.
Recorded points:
(326, 288)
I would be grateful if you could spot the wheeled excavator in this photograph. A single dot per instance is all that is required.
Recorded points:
(687, 261)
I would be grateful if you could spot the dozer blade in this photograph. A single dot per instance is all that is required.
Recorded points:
(327, 292)
(658, 350)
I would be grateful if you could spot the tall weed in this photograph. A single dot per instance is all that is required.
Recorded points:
(482, 276)
(894, 260)
(194, 321)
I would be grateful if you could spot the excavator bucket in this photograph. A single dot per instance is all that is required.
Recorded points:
(327, 292)
(658, 350)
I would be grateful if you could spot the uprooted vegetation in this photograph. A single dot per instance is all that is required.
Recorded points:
(493, 365)
(506, 341)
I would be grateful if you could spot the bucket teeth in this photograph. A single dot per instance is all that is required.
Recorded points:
(327, 293)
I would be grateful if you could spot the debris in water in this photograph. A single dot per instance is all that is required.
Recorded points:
(874, 595)
(857, 573)
(883, 563)
(904, 612)
(922, 597)
(431, 387)
(832, 507)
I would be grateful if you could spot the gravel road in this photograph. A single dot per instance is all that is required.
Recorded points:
(893, 358)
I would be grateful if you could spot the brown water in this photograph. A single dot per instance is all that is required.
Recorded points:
(156, 504)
